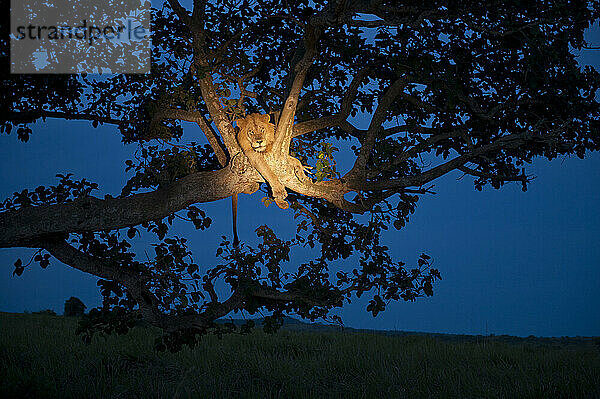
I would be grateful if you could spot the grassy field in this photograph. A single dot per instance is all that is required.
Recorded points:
(40, 357)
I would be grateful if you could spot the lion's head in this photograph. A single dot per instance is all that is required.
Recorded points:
(258, 131)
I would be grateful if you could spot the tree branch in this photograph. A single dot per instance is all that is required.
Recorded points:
(341, 116)
(213, 140)
(332, 191)
(316, 124)
(289, 296)
(79, 260)
(211, 99)
(181, 12)
(135, 283)
(506, 142)
(359, 168)
(200, 120)
(217, 56)
(32, 115)
(415, 150)
(283, 134)
(20, 227)
(203, 71)
(469, 171)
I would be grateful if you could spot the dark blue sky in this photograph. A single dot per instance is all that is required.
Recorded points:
(512, 262)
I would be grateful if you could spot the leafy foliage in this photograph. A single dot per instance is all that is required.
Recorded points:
(67, 190)
(482, 88)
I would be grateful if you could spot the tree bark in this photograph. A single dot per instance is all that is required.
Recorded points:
(23, 226)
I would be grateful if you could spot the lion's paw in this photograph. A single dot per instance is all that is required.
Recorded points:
(283, 204)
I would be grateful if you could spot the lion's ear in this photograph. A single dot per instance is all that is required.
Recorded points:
(241, 123)
(265, 118)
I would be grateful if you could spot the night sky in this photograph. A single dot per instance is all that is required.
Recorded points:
(512, 262)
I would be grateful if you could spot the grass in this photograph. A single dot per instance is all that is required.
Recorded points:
(40, 357)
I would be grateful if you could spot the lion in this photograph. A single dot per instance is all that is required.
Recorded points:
(256, 136)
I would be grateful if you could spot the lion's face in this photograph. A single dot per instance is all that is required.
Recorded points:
(260, 137)
(259, 132)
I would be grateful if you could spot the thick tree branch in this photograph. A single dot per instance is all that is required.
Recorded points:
(333, 13)
(20, 227)
(283, 134)
(79, 260)
(205, 319)
(135, 283)
(203, 71)
(392, 15)
(179, 114)
(332, 191)
(198, 12)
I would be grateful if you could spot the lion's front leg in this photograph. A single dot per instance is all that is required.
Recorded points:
(279, 195)
(299, 169)
(278, 189)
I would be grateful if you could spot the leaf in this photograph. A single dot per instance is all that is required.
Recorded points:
(267, 201)
(428, 288)
(398, 224)
(18, 267)
(184, 301)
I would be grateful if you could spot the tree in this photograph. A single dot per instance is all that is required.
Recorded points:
(74, 307)
(483, 88)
